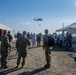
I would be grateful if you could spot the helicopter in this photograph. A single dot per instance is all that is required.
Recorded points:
(38, 19)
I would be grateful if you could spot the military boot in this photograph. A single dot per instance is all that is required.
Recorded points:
(22, 66)
(47, 66)
(5, 67)
(16, 66)
(75, 59)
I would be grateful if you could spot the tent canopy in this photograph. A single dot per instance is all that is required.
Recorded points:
(2, 26)
(73, 26)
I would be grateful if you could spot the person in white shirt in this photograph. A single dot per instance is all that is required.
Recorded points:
(33, 39)
(61, 39)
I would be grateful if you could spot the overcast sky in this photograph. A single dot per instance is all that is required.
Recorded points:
(19, 14)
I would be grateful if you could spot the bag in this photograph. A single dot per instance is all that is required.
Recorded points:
(50, 41)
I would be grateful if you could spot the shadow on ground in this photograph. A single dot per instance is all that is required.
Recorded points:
(33, 72)
(5, 72)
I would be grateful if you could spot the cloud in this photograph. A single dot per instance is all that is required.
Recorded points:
(25, 23)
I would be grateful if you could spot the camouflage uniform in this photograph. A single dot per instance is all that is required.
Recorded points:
(47, 50)
(4, 50)
(10, 40)
(38, 40)
(21, 45)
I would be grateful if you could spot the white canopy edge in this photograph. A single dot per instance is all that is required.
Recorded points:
(2, 26)
(73, 25)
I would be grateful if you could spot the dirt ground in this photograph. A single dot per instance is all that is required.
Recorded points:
(61, 63)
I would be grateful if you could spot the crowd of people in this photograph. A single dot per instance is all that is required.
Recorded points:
(34, 38)
(64, 40)
(23, 41)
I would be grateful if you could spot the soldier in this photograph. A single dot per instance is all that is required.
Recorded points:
(47, 49)
(21, 45)
(4, 50)
(10, 40)
(39, 40)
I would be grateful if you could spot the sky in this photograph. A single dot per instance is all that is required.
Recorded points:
(19, 14)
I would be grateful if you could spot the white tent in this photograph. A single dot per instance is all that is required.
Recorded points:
(4, 27)
(70, 28)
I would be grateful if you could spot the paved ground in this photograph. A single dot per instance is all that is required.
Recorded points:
(61, 63)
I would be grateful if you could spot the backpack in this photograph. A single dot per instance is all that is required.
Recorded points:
(50, 41)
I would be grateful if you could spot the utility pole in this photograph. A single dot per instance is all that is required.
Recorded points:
(63, 24)
(63, 27)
